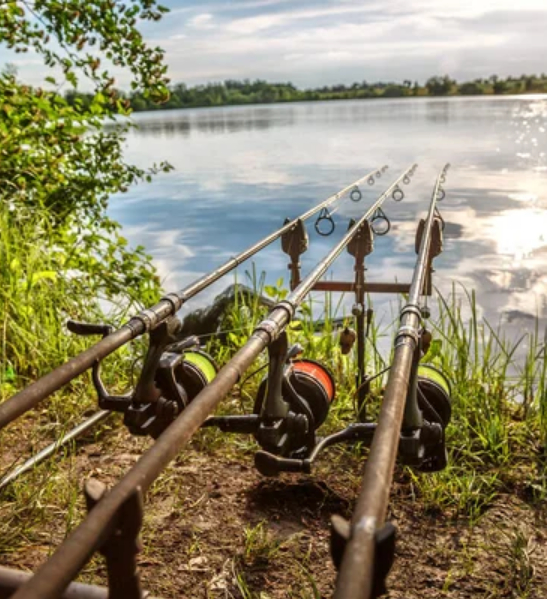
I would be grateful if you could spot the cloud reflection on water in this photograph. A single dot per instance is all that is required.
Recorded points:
(241, 170)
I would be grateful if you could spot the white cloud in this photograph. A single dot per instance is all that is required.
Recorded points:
(232, 6)
(254, 24)
(259, 47)
(201, 22)
(317, 43)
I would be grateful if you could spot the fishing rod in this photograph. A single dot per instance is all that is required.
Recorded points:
(407, 425)
(11, 580)
(148, 319)
(51, 449)
(114, 519)
(197, 368)
(84, 329)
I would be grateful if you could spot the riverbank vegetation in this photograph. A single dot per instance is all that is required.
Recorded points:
(232, 92)
(215, 528)
(60, 254)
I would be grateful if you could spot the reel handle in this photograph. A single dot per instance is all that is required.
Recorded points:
(294, 350)
(86, 329)
(117, 403)
(269, 464)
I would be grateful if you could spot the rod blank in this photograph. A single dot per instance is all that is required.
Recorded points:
(356, 574)
(11, 580)
(51, 449)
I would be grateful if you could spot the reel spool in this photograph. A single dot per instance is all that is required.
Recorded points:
(313, 383)
(195, 372)
(435, 388)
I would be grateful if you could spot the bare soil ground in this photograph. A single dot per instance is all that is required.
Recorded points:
(214, 527)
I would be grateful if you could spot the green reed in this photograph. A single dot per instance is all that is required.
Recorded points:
(496, 439)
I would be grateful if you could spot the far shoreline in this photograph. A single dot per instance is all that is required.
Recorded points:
(520, 96)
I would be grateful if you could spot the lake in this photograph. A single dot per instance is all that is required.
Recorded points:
(239, 171)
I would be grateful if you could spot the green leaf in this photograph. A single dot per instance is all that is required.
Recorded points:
(434, 351)
(270, 291)
(9, 374)
(40, 276)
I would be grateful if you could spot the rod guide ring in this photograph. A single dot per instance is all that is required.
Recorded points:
(355, 194)
(324, 215)
(377, 219)
(398, 194)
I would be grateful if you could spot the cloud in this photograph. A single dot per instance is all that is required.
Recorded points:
(201, 22)
(244, 5)
(342, 41)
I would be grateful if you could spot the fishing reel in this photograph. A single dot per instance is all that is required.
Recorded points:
(292, 402)
(424, 448)
(305, 394)
(173, 373)
(428, 411)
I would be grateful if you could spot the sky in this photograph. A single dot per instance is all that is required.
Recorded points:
(323, 42)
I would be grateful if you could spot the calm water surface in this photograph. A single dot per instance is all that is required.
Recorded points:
(239, 171)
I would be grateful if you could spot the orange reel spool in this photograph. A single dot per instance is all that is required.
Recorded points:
(313, 382)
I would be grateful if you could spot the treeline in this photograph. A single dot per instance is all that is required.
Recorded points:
(232, 92)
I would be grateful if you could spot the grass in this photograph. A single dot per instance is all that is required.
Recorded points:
(497, 438)
(522, 571)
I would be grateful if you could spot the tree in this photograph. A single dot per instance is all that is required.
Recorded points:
(56, 156)
(529, 83)
(500, 86)
(471, 88)
(439, 86)
(393, 91)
